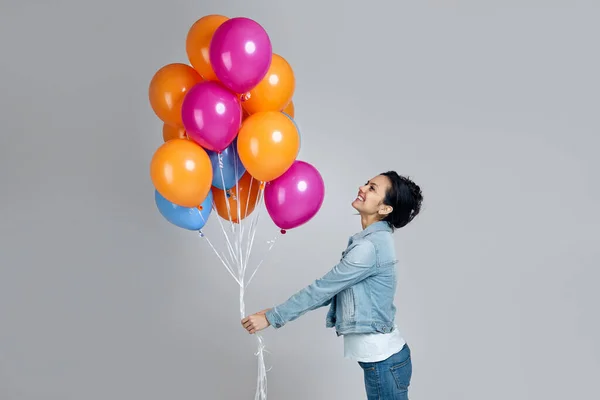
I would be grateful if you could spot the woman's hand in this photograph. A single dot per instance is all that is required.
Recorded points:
(256, 322)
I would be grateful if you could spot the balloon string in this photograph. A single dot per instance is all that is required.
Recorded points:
(240, 259)
(240, 217)
(248, 199)
(220, 158)
(261, 379)
(229, 269)
(228, 242)
(246, 210)
(253, 225)
(222, 257)
(271, 244)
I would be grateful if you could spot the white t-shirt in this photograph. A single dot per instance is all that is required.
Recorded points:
(373, 347)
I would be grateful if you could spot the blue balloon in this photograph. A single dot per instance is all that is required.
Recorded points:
(193, 218)
(230, 161)
(298, 129)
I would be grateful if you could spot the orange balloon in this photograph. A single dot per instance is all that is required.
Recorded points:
(289, 109)
(197, 44)
(244, 193)
(171, 132)
(274, 91)
(181, 171)
(168, 88)
(268, 143)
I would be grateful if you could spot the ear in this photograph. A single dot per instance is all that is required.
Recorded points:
(385, 210)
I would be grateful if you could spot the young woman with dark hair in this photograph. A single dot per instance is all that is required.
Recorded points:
(360, 289)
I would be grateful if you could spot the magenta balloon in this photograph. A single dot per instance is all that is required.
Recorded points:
(240, 54)
(211, 115)
(296, 196)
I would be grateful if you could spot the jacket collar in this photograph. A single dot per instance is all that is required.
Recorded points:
(374, 227)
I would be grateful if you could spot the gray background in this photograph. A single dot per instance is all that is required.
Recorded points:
(491, 106)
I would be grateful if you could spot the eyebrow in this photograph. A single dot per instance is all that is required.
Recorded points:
(372, 183)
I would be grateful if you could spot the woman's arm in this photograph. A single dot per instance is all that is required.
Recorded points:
(357, 264)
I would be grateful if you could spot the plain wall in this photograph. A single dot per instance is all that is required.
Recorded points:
(491, 106)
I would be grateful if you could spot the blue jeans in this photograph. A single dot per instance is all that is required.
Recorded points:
(389, 379)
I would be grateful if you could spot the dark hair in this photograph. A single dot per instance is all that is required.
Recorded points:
(405, 197)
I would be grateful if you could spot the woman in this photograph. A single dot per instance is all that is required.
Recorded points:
(360, 289)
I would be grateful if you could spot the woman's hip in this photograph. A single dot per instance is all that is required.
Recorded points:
(389, 378)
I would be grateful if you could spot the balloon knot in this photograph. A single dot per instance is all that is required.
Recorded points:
(200, 233)
(262, 186)
(200, 208)
(283, 231)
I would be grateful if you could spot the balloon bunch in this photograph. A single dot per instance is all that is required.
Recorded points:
(231, 142)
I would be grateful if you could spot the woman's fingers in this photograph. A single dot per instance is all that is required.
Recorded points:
(255, 322)
(248, 323)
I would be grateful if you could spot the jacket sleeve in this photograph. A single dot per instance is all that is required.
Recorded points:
(357, 264)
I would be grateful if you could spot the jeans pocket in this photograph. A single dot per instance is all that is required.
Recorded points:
(402, 373)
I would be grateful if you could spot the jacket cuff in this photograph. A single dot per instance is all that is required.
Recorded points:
(274, 318)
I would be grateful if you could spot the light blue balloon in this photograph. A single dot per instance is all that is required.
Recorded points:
(298, 129)
(192, 218)
(230, 161)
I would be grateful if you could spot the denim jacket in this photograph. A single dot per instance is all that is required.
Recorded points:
(359, 290)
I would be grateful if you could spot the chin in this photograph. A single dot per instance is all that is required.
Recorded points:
(356, 205)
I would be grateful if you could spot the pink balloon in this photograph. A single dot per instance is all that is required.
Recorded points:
(296, 196)
(211, 115)
(240, 54)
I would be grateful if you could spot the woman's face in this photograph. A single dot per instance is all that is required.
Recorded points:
(369, 200)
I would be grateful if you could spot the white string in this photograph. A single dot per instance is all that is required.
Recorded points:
(240, 259)
(261, 379)
(229, 246)
(272, 243)
(221, 259)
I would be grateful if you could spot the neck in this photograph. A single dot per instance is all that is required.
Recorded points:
(366, 220)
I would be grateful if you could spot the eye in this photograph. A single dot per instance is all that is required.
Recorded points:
(372, 188)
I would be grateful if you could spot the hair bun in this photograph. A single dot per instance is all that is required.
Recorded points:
(405, 197)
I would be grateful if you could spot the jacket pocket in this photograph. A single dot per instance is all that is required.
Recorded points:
(348, 305)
